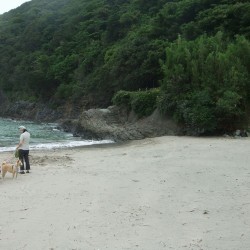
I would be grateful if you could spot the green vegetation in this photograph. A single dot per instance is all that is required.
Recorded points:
(143, 103)
(195, 52)
(206, 82)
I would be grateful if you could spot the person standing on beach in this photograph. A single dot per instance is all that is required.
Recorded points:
(23, 149)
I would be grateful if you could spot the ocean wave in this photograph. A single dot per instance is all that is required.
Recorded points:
(57, 145)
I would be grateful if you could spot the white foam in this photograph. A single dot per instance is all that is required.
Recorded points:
(64, 144)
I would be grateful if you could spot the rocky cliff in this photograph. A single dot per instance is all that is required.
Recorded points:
(120, 125)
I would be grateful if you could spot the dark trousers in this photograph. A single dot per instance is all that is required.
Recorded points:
(24, 157)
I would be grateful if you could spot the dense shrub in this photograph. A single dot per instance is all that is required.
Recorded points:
(143, 103)
(206, 82)
(122, 98)
(229, 110)
(198, 112)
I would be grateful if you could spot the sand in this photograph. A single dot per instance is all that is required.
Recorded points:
(160, 193)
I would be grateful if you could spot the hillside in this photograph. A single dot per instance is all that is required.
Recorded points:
(83, 52)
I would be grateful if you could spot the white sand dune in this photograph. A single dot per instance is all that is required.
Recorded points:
(154, 194)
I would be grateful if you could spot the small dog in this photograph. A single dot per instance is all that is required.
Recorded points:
(12, 168)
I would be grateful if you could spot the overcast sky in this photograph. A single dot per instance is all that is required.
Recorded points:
(6, 5)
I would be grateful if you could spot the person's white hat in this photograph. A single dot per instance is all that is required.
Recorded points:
(21, 127)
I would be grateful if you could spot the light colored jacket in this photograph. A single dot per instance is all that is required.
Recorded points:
(25, 140)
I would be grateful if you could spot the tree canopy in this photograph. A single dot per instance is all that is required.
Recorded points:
(85, 51)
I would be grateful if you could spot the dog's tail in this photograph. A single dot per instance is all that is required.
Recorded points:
(3, 163)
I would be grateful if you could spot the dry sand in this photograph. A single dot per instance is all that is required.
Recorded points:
(161, 193)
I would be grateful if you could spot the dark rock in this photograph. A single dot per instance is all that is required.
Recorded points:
(34, 111)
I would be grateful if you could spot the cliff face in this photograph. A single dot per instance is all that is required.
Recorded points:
(38, 112)
(118, 124)
(29, 111)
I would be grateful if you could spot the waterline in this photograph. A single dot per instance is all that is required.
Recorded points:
(43, 136)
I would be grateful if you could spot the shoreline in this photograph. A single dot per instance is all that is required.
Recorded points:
(159, 193)
(128, 142)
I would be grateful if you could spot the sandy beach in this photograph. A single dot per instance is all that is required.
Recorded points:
(153, 194)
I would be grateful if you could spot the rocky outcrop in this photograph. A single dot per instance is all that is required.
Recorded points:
(118, 124)
(29, 111)
(36, 111)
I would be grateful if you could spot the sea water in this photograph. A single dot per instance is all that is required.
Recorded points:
(43, 136)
